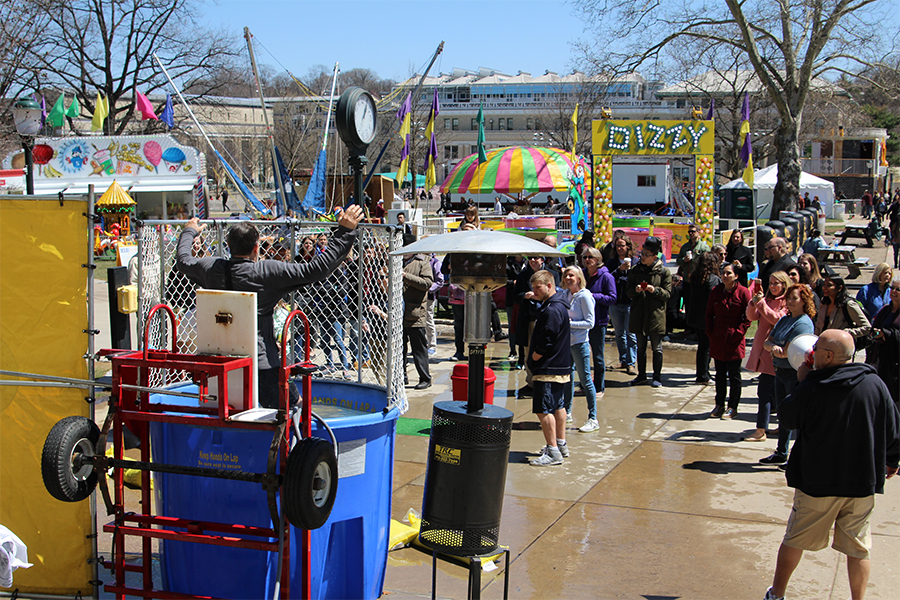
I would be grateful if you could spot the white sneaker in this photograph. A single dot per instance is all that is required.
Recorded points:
(770, 596)
(551, 457)
(591, 425)
(564, 450)
(569, 419)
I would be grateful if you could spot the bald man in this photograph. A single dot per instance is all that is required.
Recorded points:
(848, 443)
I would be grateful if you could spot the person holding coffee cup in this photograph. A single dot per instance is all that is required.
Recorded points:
(620, 312)
(690, 251)
(649, 287)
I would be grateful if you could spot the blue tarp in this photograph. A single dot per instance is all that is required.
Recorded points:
(315, 194)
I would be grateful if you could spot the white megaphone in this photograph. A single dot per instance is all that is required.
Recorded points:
(800, 349)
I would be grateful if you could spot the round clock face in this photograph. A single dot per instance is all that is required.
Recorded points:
(364, 118)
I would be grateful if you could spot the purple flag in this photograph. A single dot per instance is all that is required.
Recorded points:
(712, 109)
(167, 116)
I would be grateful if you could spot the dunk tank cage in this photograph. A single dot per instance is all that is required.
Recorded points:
(469, 447)
(74, 461)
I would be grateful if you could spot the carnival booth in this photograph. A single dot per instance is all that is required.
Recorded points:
(164, 178)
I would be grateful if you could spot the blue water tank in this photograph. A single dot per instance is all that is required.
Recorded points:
(349, 552)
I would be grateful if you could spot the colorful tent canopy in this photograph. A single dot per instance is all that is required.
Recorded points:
(511, 170)
(115, 196)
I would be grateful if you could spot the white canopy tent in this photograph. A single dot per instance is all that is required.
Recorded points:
(764, 181)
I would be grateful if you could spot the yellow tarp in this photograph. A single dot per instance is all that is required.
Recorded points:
(42, 317)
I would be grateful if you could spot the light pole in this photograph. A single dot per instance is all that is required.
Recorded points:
(27, 115)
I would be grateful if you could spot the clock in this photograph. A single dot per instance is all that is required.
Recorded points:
(356, 117)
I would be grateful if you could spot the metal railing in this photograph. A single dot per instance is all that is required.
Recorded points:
(837, 166)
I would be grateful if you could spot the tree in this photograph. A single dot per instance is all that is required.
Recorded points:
(91, 45)
(788, 44)
(20, 26)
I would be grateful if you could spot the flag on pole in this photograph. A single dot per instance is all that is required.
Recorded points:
(43, 104)
(431, 154)
(746, 146)
(405, 115)
(289, 196)
(144, 107)
(167, 116)
(74, 109)
(482, 155)
(101, 111)
(57, 114)
(712, 109)
(575, 136)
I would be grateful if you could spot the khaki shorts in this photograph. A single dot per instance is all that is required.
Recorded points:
(812, 519)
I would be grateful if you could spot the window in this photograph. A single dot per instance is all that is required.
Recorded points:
(509, 124)
(646, 181)
(529, 124)
(473, 149)
(446, 123)
(455, 125)
(537, 124)
(501, 124)
(474, 124)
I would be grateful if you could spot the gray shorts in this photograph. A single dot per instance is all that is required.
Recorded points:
(548, 397)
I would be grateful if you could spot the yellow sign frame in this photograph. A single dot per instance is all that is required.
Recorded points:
(653, 138)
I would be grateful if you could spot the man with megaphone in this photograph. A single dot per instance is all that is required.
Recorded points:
(848, 443)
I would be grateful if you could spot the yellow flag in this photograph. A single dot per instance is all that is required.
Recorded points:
(101, 110)
(575, 137)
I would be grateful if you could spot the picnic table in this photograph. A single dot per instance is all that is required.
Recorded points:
(843, 256)
(857, 232)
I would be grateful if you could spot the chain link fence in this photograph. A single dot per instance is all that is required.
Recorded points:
(355, 314)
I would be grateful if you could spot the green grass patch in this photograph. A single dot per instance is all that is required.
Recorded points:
(407, 426)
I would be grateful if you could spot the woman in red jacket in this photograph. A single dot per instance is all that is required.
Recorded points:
(726, 325)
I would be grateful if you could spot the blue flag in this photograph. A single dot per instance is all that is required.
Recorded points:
(315, 193)
(167, 116)
(289, 197)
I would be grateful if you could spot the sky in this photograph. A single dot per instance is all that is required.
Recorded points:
(396, 38)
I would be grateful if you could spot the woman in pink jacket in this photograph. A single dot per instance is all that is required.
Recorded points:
(767, 310)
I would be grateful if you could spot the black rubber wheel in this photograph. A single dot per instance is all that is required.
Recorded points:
(310, 483)
(65, 475)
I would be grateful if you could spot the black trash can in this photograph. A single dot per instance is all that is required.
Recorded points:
(764, 235)
(465, 479)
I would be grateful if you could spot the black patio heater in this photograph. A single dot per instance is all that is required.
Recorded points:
(468, 452)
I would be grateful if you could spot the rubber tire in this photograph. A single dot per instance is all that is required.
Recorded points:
(61, 446)
(304, 506)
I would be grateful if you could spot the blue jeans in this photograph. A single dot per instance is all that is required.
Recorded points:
(626, 342)
(333, 339)
(581, 364)
(765, 392)
(785, 382)
(597, 339)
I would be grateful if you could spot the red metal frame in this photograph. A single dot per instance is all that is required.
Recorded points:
(134, 408)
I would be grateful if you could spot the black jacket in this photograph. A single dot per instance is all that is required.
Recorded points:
(848, 431)
(773, 266)
(550, 338)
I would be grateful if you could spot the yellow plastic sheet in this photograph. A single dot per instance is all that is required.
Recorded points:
(42, 317)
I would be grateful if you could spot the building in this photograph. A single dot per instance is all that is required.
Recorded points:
(522, 110)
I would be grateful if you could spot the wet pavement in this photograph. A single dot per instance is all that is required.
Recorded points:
(660, 503)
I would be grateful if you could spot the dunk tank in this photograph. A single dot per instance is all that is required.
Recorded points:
(247, 501)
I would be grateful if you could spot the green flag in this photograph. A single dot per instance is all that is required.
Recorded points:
(482, 155)
(74, 109)
(57, 114)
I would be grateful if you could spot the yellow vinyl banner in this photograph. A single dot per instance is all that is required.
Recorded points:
(44, 314)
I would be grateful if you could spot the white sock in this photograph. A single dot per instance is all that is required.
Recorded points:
(560, 442)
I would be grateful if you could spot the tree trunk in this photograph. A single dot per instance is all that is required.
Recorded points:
(787, 152)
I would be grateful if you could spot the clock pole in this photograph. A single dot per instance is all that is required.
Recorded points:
(357, 164)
